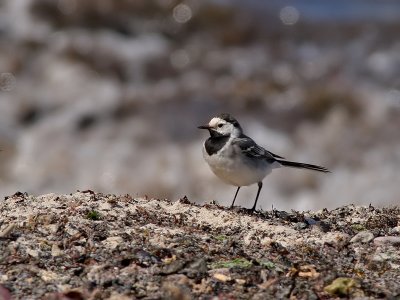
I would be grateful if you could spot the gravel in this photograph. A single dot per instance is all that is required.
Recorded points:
(89, 245)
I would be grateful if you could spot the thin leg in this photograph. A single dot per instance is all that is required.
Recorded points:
(258, 194)
(234, 198)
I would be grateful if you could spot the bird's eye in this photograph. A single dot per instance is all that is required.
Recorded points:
(220, 125)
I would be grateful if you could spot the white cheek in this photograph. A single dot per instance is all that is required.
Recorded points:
(214, 122)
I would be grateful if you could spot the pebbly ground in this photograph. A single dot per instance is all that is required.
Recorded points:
(93, 246)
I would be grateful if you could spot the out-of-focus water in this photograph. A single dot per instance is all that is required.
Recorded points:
(338, 11)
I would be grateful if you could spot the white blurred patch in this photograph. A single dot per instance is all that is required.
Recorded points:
(182, 13)
(289, 15)
(8, 82)
(393, 98)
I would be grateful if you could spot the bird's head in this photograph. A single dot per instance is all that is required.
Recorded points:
(223, 125)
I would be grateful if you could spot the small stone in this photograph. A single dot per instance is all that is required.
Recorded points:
(55, 250)
(362, 237)
(387, 240)
(7, 231)
(79, 249)
(105, 206)
(282, 215)
(118, 296)
(196, 268)
(145, 259)
(301, 225)
(310, 221)
(113, 242)
(70, 230)
(337, 239)
(52, 228)
(382, 257)
(33, 253)
(48, 276)
(324, 226)
(222, 277)
(174, 291)
(173, 267)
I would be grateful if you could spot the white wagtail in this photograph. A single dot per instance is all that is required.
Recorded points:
(237, 159)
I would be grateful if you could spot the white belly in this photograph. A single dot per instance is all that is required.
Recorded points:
(238, 171)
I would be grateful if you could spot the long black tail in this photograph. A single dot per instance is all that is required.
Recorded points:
(293, 164)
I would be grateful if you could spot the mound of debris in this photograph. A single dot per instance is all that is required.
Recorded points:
(93, 246)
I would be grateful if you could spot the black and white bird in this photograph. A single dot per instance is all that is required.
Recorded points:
(237, 159)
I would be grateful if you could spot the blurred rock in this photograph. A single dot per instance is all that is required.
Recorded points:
(362, 237)
(387, 240)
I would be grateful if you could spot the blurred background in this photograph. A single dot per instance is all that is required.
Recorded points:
(107, 95)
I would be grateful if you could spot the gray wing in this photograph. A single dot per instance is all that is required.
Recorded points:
(251, 149)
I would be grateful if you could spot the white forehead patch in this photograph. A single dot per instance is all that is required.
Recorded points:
(215, 121)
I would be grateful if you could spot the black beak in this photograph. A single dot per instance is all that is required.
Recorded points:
(204, 127)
